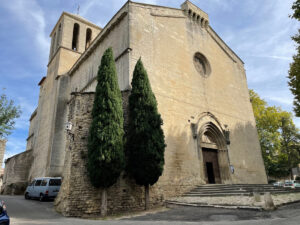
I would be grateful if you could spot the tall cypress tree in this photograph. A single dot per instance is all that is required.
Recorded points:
(145, 145)
(105, 143)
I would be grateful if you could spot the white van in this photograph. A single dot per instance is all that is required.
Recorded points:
(43, 188)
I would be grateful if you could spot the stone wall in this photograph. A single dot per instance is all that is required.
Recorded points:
(167, 41)
(77, 197)
(2, 149)
(16, 172)
(32, 130)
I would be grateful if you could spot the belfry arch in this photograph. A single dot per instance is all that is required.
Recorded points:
(212, 149)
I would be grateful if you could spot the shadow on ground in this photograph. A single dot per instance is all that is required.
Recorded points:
(192, 214)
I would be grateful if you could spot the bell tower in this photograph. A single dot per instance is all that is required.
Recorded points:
(70, 37)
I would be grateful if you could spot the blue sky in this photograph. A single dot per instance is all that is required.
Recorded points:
(258, 31)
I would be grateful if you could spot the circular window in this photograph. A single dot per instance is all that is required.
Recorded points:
(202, 64)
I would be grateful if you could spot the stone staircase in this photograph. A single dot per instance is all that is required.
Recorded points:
(212, 190)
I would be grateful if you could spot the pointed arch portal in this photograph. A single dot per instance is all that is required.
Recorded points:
(212, 149)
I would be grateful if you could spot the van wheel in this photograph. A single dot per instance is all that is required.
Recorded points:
(27, 195)
(41, 197)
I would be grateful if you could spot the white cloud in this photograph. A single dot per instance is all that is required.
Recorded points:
(273, 57)
(280, 99)
(31, 15)
(264, 44)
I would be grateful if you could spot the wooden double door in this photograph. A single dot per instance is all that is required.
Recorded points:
(211, 166)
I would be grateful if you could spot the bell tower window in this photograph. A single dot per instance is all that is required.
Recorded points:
(88, 38)
(75, 37)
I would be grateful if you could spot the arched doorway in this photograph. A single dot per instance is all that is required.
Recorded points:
(212, 149)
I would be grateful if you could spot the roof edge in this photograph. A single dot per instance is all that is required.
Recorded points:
(160, 6)
(215, 33)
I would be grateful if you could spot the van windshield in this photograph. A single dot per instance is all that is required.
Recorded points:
(55, 182)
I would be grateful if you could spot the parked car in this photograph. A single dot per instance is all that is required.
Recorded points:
(278, 184)
(288, 184)
(292, 184)
(296, 183)
(43, 188)
(4, 218)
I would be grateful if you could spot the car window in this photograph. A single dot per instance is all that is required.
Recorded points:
(38, 183)
(54, 182)
(31, 183)
(44, 183)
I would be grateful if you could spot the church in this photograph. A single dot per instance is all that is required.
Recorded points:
(201, 88)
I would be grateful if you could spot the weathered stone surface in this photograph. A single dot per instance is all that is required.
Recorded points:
(15, 178)
(2, 149)
(268, 201)
(77, 196)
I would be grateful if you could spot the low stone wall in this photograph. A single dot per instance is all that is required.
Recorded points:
(77, 196)
(16, 171)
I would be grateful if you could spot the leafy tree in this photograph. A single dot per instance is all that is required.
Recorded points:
(105, 143)
(8, 113)
(290, 140)
(278, 136)
(267, 123)
(294, 72)
(146, 144)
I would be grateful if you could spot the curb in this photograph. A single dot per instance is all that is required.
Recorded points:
(287, 203)
(169, 204)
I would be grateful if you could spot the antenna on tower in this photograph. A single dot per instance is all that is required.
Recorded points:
(78, 9)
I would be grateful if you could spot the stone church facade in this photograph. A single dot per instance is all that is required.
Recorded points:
(201, 88)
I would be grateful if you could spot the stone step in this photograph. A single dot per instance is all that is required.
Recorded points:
(216, 194)
(216, 191)
(233, 186)
(237, 190)
(245, 190)
(226, 194)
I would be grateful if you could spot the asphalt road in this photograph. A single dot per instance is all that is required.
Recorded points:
(33, 212)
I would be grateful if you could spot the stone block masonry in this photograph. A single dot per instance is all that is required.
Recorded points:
(15, 178)
(77, 196)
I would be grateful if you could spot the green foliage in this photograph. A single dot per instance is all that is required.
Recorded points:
(8, 113)
(294, 72)
(278, 136)
(146, 144)
(296, 8)
(105, 143)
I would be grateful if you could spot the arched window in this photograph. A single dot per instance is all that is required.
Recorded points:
(75, 37)
(88, 38)
(194, 16)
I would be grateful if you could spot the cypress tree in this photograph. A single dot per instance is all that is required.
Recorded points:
(145, 145)
(105, 143)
